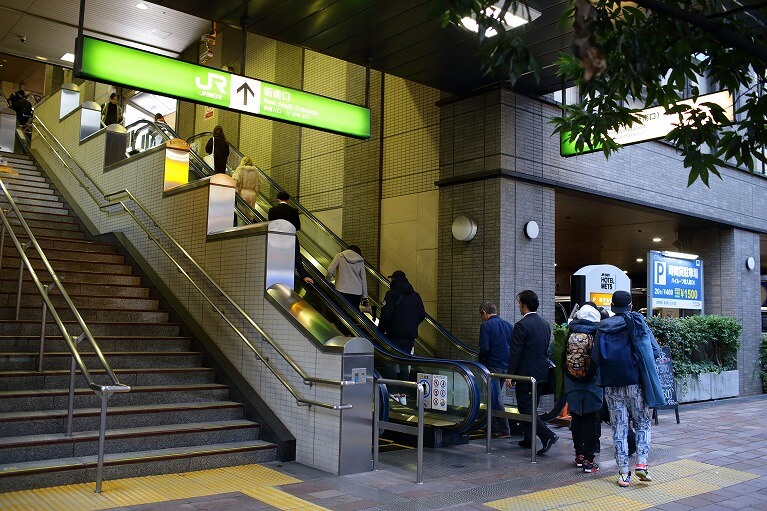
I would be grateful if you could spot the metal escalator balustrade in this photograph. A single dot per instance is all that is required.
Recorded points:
(319, 244)
(465, 377)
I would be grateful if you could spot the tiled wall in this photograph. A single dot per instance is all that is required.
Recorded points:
(237, 265)
(345, 181)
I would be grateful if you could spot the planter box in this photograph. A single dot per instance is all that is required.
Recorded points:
(708, 386)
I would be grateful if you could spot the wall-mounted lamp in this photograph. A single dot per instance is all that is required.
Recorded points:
(531, 229)
(750, 263)
(464, 228)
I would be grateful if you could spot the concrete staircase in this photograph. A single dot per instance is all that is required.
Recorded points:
(175, 419)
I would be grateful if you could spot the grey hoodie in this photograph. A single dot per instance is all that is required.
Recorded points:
(350, 278)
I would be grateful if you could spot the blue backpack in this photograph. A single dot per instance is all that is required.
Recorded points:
(614, 352)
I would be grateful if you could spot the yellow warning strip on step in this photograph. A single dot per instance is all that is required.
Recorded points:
(256, 481)
(671, 481)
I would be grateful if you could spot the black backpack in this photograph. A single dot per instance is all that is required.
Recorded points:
(618, 366)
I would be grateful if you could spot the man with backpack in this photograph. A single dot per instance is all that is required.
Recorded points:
(625, 354)
(584, 396)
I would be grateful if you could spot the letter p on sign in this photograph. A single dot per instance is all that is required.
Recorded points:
(660, 273)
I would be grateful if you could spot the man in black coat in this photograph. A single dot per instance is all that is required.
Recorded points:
(528, 357)
(284, 211)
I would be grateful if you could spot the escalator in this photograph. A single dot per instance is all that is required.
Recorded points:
(466, 391)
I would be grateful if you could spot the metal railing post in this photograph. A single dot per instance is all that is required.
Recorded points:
(489, 414)
(534, 419)
(419, 454)
(47, 289)
(102, 439)
(18, 292)
(2, 240)
(71, 405)
(376, 411)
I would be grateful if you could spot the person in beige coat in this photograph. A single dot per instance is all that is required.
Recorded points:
(246, 176)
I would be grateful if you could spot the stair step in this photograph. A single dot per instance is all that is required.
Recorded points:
(19, 188)
(20, 476)
(23, 177)
(97, 329)
(37, 194)
(55, 379)
(56, 399)
(58, 254)
(85, 443)
(67, 277)
(44, 201)
(84, 419)
(59, 264)
(53, 242)
(34, 299)
(53, 343)
(39, 227)
(31, 208)
(103, 315)
(25, 361)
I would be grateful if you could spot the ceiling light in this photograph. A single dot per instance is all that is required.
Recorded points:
(639, 260)
(679, 255)
(512, 19)
(656, 240)
(142, 6)
(38, 57)
(626, 272)
(68, 57)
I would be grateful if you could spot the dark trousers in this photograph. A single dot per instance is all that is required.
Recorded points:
(586, 430)
(525, 405)
(500, 424)
(352, 299)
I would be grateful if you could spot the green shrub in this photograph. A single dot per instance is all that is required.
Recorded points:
(699, 344)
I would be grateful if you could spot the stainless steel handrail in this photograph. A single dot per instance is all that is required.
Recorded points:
(307, 379)
(402, 428)
(532, 417)
(77, 363)
(325, 229)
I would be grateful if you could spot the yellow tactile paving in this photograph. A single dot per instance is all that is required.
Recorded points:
(671, 481)
(253, 480)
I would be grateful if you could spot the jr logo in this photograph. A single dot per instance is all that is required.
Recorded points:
(214, 80)
(660, 273)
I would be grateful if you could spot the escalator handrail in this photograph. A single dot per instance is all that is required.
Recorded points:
(380, 342)
(383, 280)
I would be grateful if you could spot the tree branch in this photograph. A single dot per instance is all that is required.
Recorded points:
(730, 37)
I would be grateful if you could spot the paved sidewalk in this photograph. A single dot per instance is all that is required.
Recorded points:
(716, 459)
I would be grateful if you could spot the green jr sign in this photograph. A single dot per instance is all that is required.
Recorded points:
(113, 63)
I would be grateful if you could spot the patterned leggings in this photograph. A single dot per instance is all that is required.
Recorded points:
(627, 403)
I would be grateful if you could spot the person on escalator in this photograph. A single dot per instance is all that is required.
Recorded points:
(401, 313)
(349, 269)
(219, 148)
(246, 177)
(494, 338)
(284, 211)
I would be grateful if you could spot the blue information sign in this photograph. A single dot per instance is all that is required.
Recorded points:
(674, 282)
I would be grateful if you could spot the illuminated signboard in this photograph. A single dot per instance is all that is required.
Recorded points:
(656, 124)
(674, 282)
(113, 63)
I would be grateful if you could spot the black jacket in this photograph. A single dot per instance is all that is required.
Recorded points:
(529, 348)
(220, 155)
(283, 211)
(402, 311)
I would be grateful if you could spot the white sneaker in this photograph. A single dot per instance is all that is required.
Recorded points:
(403, 399)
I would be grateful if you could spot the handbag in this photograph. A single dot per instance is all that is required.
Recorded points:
(208, 159)
(366, 308)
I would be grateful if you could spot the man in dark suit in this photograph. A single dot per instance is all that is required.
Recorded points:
(284, 211)
(528, 357)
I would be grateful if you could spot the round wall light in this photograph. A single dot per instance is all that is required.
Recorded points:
(464, 228)
(532, 230)
(750, 263)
